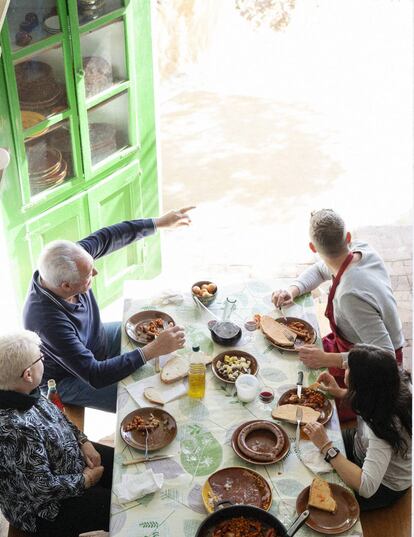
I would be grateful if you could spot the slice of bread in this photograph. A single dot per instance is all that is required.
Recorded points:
(320, 496)
(288, 413)
(175, 369)
(277, 332)
(153, 396)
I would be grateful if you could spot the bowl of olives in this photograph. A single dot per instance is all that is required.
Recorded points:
(205, 291)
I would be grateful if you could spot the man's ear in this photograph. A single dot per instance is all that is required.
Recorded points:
(312, 247)
(65, 286)
(348, 237)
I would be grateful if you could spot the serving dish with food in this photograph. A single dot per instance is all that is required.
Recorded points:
(228, 366)
(287, 333)
(144, 326)
(260, 442)
(237, 485)
(332, 508)
(310, 399)
(247, 521)
(148, 428)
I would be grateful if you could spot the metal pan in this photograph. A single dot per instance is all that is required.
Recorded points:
(249, 511)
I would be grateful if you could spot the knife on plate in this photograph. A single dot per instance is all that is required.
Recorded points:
(299, 384)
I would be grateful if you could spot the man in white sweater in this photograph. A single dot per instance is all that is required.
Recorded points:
(361, 306)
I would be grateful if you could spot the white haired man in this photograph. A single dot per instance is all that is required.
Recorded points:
(53, 480)
(361, 306)
(82, 354)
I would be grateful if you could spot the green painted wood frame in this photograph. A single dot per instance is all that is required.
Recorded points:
(18, 207)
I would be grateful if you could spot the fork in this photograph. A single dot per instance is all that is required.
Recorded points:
(146, 444)
(299, 416)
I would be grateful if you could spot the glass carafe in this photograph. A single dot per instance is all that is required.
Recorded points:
(226, 332)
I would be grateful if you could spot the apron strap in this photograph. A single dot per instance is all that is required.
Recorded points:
(329, 312)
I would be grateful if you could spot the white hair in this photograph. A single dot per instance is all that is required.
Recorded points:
(18, 351)
(58, 262)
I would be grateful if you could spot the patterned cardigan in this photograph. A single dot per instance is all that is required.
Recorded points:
(40, 463)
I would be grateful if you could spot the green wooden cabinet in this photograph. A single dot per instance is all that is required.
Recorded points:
(77, 97)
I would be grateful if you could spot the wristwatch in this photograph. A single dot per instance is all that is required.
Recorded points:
(331, 454)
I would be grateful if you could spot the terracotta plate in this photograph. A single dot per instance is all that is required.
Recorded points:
(346, 515)
(326, 411)
(238, 485)
(265, 437)
(254, 366)
(138, 319)
(298, 342)
(158, 438)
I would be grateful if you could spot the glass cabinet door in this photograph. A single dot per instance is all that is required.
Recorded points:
(42, 97)
(104, 86)
(41, 86)
(50, 157)
(103, 57)
(32, 21)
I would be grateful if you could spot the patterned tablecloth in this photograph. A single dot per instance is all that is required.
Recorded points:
(205, 426)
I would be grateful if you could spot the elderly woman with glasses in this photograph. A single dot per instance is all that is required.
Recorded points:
(377, 464)
(53, 481)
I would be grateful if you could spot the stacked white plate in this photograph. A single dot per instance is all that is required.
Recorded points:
(52, 25)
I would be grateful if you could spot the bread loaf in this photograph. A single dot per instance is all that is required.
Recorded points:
(153, 396)
(288, 413)
(320, 496)
(175, 369)
(278, 333)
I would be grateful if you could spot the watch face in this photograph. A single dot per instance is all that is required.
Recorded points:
(332, 452)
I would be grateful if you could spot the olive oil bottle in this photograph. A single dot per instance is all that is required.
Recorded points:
(197, 375)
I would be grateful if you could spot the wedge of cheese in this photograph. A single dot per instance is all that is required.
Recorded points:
(320, 496)
(277, 332)
(288, 413)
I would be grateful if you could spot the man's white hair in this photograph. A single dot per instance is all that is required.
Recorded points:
(58, 262)
(18, 350)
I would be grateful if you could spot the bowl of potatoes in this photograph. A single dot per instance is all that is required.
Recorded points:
(205, 291)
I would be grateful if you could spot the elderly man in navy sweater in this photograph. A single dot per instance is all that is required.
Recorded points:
(81, 353)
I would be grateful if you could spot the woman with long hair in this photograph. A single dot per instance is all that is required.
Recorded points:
(378, 452)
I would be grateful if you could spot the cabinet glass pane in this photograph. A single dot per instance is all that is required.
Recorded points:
(41, 86)
(49, 157)
(90, 10)
(103, 54)
(108, 127)
(31, 21)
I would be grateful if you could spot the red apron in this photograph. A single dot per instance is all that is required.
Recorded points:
(335, 342)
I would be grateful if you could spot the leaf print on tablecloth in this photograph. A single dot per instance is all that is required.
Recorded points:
(195, 500)
(143, 372)
(201, 454)
(273, 375)
(168, 467)
(193, 408)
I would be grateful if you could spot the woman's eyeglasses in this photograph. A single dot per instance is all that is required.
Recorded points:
(41, 358)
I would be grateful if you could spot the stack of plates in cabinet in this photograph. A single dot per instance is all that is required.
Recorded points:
(38, 89)
(47, 168)
(91, 9)
(98, 74)
(52, 25)
(60, 139)
(102, 138)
